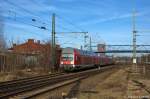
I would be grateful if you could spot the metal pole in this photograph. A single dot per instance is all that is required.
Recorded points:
(85, 40)
(90, 44)
(53, 55)
(134, 40)
(146, 59)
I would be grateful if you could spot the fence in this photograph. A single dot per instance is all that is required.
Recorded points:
(10, 61)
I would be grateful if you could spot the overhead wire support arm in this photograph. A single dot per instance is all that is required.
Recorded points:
(85, 37)
(73, 32)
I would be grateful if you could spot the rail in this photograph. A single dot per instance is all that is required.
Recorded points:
(9, 89)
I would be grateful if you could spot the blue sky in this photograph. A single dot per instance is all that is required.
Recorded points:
(108, 21)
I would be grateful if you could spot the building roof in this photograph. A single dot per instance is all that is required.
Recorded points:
(31, 47)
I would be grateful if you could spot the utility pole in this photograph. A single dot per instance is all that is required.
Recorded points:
(146, 59)
(85, 40)
(90, 44)
(134, 42)
(53, 45)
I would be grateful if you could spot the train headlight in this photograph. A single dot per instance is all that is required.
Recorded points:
(72, 62)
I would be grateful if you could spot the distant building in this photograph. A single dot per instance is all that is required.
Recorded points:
(36, 52)
(101, 48)
(31, 47)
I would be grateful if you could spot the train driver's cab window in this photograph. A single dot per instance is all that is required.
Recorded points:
(67, 57)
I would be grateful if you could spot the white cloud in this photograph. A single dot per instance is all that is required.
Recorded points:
(115, 17)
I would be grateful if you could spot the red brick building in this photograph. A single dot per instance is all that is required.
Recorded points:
(29, 47)
(36, 52)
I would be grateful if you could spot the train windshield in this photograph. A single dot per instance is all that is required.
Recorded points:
(67, 57)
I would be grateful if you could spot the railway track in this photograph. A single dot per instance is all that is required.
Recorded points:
(10, 88)
(28, 79)
(17, 87)
(142, 85)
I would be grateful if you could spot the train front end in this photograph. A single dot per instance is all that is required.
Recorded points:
(67, 58)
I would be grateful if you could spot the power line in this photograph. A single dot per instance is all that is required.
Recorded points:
(25, 30)
(29, 25)
(60, 26)
(40, 27)
(70, 23)
(27, 11)
(58, 23)
(31, 13)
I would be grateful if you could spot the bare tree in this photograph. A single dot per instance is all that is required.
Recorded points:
(2, 40)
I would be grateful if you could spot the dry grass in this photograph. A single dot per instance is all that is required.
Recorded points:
(7, 77)
(111, 84)
(18, 74)
(115, 86)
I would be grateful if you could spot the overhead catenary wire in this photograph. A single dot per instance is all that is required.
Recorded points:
(20, 21)
(77, 27)
(27, 11)
(28, 24)
(60, 26)
(26, 30)
(23, 22)
(42, 27)
(58, 23)
(40, 35)
(33, 14)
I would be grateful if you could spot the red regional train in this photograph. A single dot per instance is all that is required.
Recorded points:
(76, 58)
